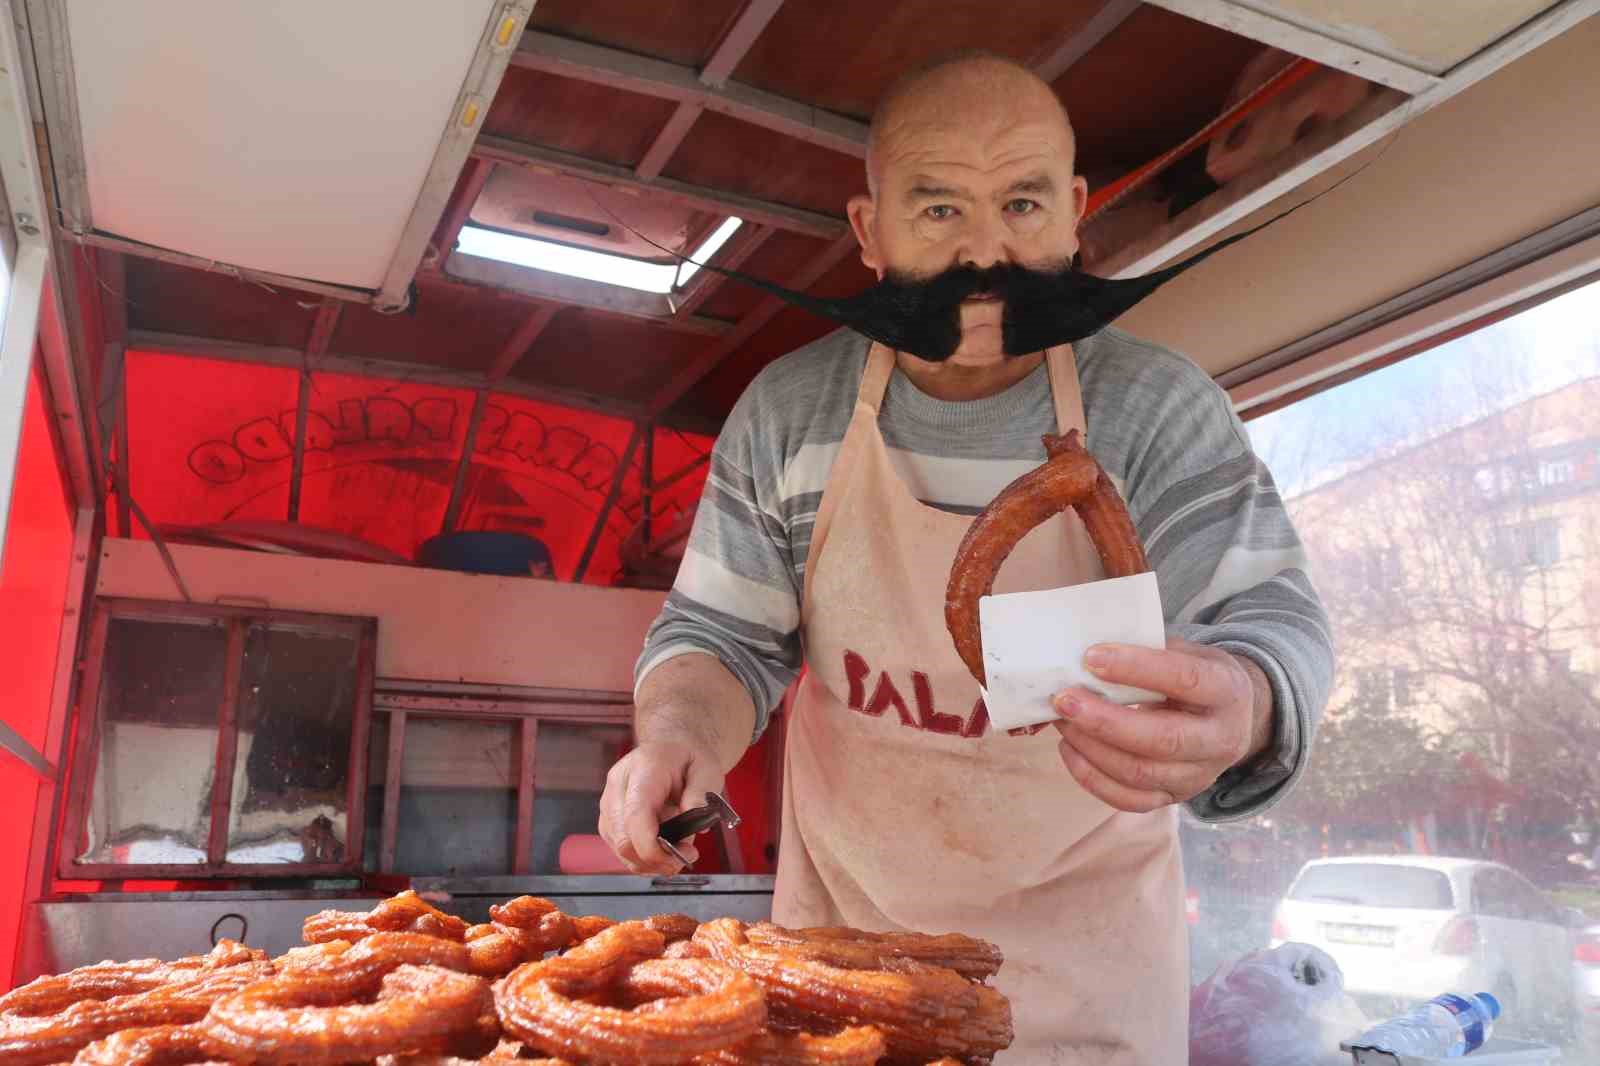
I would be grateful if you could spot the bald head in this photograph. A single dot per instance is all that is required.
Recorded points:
(979, 92)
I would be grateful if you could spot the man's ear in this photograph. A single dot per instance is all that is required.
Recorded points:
(1080, 205)
(863, 213)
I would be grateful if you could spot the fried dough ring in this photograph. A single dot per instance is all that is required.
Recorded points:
(105, 980)
(857, 1045)
(521, 930)
(406, 912)
(707, 1006)
(29, 1040)
(1070, 477)
(160, 1045)
(310, 1020)
(855, 949)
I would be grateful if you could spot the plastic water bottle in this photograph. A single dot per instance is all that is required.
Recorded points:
(1445, 1027)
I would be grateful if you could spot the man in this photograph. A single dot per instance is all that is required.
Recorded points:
(841, 485)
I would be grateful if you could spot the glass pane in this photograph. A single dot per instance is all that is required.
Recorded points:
(1450, 505)
(458, 796)
(297, 705)
(569, 773)
(150, 801)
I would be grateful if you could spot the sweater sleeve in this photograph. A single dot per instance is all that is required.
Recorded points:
(736, 596)
(1232, 570)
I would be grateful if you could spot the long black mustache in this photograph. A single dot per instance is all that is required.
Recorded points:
(1043, 307)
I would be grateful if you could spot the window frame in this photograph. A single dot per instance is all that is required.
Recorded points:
(236, 621)
(528, 707)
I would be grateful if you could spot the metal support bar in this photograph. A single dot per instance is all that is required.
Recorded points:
(735, 44)
(390, 829)
(610, 502)
(699, 197)
(227, 746)
(194, 262)
(1105, 22)
(123, 479)
(765, 312)
(495, 48)
(474, 177)
(740, 38)
(732, 256)
(322, 329)
(528, 748)
(292, 358)
(458, 490)
(12, 741)
(297, 465)
(628, 72)
(647, 476)
(1304, 41)
(667, 141)
(16, 367)
(682, 472)
(521, 341)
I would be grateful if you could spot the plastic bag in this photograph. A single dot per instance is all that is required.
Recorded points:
(1283, 1007)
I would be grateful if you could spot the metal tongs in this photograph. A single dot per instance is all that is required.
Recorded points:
(717, 811)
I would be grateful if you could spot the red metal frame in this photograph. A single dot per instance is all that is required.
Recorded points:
(237, 620)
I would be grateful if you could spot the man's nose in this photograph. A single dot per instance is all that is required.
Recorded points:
(984, 245)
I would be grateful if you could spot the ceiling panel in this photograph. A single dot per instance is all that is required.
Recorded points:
(323, 118)
(683, 31)
(607, 356)
(725, 153)
(841, 54)
(450, 326)
(172, 299)
(1423, 34)
(1156, 80)
(575, 116)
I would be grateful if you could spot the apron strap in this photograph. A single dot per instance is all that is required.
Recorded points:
(1063, 367)
(864, 421)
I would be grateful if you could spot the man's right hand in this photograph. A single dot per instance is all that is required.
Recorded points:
(650, 784)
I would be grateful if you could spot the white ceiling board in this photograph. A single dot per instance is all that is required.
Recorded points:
(1429, 35)
(291, 137)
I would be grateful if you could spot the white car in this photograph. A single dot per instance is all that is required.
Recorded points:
(1586, 974)
(1410, 927)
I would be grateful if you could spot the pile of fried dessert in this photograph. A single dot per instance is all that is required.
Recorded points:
(409, 985)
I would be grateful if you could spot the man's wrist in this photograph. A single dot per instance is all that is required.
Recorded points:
(1263, 713)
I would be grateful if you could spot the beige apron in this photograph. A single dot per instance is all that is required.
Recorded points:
(904, 810)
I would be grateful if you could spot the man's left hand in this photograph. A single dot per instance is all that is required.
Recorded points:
(1216, 715)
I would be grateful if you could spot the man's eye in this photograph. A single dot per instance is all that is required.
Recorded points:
(1021, 207)
(941, 212)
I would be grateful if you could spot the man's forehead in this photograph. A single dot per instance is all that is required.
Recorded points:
(946, 150)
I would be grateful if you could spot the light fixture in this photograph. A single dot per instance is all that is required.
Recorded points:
(591, 265)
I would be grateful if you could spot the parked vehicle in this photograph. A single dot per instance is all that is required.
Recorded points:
(1405, 928)
(1586, 984)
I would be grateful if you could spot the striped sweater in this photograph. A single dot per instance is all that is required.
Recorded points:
(1231, 569)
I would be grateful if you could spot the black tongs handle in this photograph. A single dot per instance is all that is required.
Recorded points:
(685, 825)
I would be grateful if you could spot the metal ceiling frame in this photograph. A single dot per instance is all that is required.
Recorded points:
(1105, 22)
(481, 273)
(1527, 272)
(1243, 19)
(393, 370)
(616, 69)
(699, 197)
(1378, 118)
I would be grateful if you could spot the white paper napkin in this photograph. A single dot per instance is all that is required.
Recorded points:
(1033, 643)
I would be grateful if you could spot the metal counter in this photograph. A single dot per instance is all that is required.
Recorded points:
(72, 931)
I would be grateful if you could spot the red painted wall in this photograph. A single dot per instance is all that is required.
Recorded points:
(33, 590)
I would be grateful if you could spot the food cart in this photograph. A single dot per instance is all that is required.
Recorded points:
(310, 310)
